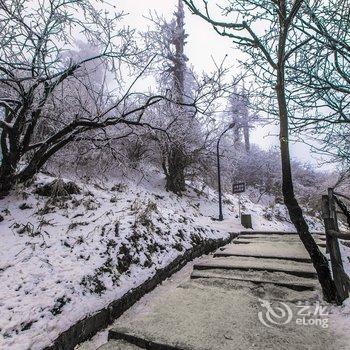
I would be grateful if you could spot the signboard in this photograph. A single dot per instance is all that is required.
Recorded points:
(238, 187)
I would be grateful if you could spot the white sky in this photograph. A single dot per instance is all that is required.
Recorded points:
(203, 44)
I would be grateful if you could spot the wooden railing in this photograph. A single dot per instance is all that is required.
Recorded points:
(330, 203)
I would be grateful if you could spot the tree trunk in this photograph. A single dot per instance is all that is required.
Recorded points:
(237, 135)
(174, 170)
(175, 160)
(7, 179)
(9, 164)
(318, 259)
(246, 133)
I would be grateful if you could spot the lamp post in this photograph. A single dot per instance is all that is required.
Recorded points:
(221, 217)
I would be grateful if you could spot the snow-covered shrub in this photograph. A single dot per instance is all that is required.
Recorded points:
(57, 188)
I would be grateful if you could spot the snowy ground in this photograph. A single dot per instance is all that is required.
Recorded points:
(65, 259)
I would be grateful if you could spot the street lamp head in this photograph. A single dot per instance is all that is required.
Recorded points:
(232, 125)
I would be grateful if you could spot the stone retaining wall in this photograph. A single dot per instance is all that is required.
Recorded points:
(89, 326)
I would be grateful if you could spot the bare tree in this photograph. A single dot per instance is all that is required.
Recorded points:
(169, 39)
(319, 78)
(188, 133)
(270, 50)
(35, 73)
(240, 113)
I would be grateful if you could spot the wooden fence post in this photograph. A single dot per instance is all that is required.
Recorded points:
(330, 221)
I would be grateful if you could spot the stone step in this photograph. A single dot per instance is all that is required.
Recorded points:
(119, 345)
(247, 239)
(296, 259)
(259, 277)
(135, 341)
(321, 244)
(260, 264)
(247, 255)
(282, 233)
(276, 250)
(276, 238)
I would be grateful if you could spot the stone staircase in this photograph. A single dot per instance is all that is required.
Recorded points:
(217, 307)
(278, 258)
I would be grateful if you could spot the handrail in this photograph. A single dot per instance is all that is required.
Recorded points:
(343, 208)
(329, 214)
(339, 234)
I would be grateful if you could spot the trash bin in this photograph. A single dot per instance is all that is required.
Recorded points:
(246, 220)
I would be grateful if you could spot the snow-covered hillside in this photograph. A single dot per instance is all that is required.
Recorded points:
(65, 258)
